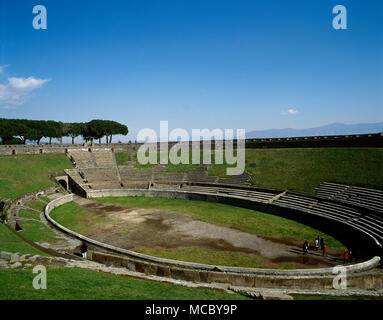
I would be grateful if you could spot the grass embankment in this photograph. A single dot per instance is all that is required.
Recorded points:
(26, 173)
(35, 204)
(29, 214)
(33, 229)
(74, 217)
(303, 169)
(12, 243)
(82, 284)
(36, 231)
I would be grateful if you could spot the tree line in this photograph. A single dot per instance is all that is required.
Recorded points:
(16, 131)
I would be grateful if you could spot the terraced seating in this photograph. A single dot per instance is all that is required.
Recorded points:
(75, 176)
(128, 173)
(82, 157)
(96, 175)
(159, 173)
(256, 195)
(368, 198)
(372, 224)
(241, 179)
(104, 157)
(104, 185)
(199, 174)
(295, 201)
(329, 190)
(96, 169)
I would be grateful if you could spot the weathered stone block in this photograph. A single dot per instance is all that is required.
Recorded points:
(151, 269)
(139, 266)
(219, 277)
(16, 265)
(33, 258)
(15, 257)
(241, 280)
(5, 255)
(203, 276)
(163, 271)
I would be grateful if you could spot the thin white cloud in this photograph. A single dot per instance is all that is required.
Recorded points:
(9, 107)
(2, 68)
(17, 90)
(289, 112)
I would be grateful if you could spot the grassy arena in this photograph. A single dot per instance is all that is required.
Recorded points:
(299, 169)
(246, 220)
(74, 217)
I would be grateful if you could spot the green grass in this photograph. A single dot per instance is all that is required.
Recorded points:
(180, 168)
(36, 231)
(81, 284)
(35, 204)
(302, 169)
(26, 173)
(123, 158)
(29, 214)
(75, 217)
(12, 243)
(45, 198)
(262, 224)
(213, 257)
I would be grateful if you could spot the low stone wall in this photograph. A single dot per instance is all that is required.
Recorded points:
(362, 140)
(11, 207)
(268, 279)
(19, 149)
(196, 272)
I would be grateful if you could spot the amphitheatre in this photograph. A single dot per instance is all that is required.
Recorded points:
(192, 226)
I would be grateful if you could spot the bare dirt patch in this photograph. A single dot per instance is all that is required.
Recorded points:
(131, 228)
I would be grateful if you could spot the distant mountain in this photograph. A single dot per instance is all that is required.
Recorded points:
(327, 130)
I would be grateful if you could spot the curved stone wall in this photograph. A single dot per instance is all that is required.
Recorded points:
(342, 231)
(149, 264)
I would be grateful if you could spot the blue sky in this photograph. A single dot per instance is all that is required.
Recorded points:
(198, 63)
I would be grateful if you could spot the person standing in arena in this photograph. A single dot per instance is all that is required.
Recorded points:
(345, 256)
(324, 250)
(83, 249)
(321, 243)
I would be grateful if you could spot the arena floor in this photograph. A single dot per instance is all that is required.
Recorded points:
(135, 228)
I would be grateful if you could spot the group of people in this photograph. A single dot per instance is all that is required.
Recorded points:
(320, 243)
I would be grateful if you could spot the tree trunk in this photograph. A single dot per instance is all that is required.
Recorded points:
(99, 140)
(50, 140)
(110, 140)
(72, 140)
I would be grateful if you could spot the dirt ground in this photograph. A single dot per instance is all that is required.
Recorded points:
(130, 228)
